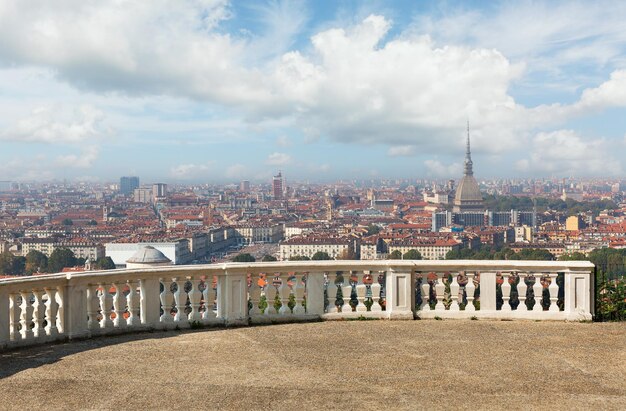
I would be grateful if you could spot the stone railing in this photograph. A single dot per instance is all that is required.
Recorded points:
(81, 305)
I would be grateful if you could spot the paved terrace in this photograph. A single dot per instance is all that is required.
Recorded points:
(424, 364)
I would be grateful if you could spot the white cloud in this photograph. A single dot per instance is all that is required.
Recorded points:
(236, 171)
(185, 171)
(278, 159)
(283, 141)
(564, 152)
(83, 160)
(436, 168)
(401, 151)
(50, 124)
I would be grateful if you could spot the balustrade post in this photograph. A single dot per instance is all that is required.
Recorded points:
(166, 298)
(454, 293)
(538, 292)
(134, 304)
(180, 299)
(284, 291)
(255, 295)
(26, 316)
(232, 295)
(298, 291)
(553, 288)
(375, 289)
(194, 299)
(74, 315)
(106, 301)
(314, 290)
(425, 287)
(488, 291)
(361, 290)
(119, 304)
(400, 295)
(346, 291)
(506, 292)
(208, 295)
(440, 290)
(15, 312)
(39, 313)
(331, 293)
(270, 296)
(521, 292)
(470, 288)
(579, 295)
(52, 312)
(5, 318)
(149, 301)
(93, 304)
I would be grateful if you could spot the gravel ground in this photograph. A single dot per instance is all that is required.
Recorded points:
(331, 365)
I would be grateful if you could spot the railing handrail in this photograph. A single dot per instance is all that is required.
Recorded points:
(320, 265)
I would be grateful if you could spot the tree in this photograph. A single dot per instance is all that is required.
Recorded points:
(299, 258)
(11, 265)
(395, 255)
(347, 254)
(320, 255)
(268, 257)
(412, 255)
(92, 222)
(576, 256)
(61, 258)
(244, 258)
(104, 263)
(36, 261)
(67, 221)
(373, 229)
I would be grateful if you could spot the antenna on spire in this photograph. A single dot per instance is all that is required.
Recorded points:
(468, 155)
(468, 138)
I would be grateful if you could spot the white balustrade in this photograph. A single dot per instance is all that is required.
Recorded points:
(78, 305)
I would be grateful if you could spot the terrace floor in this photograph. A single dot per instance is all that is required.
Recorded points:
(330, 365)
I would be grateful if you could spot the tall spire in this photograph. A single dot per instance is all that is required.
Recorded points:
(468, 155)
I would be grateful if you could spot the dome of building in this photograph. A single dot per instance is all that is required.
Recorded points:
(468, 196)
(147, 256)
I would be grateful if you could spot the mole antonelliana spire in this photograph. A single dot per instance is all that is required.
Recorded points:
(468, 196)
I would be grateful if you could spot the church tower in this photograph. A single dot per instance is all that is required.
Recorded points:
(468, 196)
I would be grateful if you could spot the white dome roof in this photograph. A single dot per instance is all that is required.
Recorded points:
(148, 255)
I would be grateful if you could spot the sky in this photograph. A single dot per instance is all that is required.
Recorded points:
(191, 91)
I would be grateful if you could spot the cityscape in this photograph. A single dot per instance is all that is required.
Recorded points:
(300, 204)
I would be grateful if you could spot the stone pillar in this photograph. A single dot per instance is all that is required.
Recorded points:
(150, 303)
(232, 294)
(578, 296)
(487, 291)
(400, 295)
(4, 318)
(315, 293)
(74, 298)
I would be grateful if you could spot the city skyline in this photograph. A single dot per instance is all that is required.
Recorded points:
(218, 91)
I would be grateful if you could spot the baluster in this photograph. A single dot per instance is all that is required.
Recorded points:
(255, 295)
(194, 299)
(440, 289)
(331, 293)
(93, 305)
(106, 301)
(38, 316)
(166, 298)
(270, 296)
(133, 303)
(52, 310)
(119, 305)
(521, 291)
(298, 289)
(470, 288)
(14, 317)
(180, 299)
(425, 286)
(361, 291)
(208, 295)
(375, 287)
(454, 293)
(285, 292)
(26, 316)
(346, 291)
(554, 293)
(538, 291)
(506, 292)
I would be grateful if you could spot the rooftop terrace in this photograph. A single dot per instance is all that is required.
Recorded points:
(329, 365)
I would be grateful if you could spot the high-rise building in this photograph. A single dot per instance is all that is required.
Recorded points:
(277, 186)
(468, 196)
(128, 185)
(142, 195)
(159, 190)
(244, 186)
